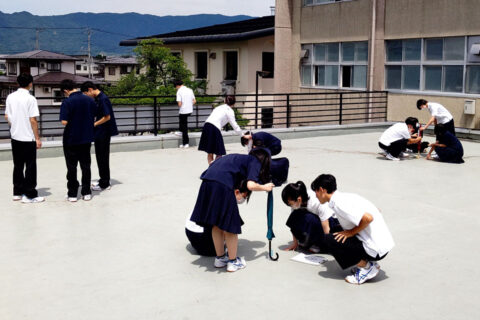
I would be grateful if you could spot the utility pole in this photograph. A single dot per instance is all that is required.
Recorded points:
(89, 32)
(37, 34)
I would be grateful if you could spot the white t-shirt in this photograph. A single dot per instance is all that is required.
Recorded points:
(20, 107)
(394, 133)
(439, 112)
(192, 226)
(323, 211)
(186, 96)
(349, 209)
(222, 115)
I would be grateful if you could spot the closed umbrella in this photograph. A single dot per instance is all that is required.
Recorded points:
(270, 234)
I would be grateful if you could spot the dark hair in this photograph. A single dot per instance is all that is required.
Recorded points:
(243, 140)
(325, 181)
(88, 85)
(439, 130)
(230, 100)
(67, 84)
(242, 187)
(420, 103)
(177, 83)
(264, 157)
(411, 121)
(294, 190)
(24, 80)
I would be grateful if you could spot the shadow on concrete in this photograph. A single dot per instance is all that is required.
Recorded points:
(43, 192)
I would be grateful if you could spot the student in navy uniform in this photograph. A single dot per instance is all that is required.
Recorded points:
(448, 147)
(201, 237)
(263, 140)
(365, 238)
(77, 114)
(105, 127)
(217, 204)
(309, 219)
(211, 140)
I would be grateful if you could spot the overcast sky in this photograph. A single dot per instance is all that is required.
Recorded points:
(158, 8)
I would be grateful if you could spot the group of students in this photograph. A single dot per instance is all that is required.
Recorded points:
(400, 137)
(323, 220)
(87, 115)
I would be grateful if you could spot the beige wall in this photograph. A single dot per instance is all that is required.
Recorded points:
(401, 106)
(249, 61)
(40, 93)
(431, 18)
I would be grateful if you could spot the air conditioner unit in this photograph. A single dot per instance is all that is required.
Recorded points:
(469, 107)
(47, 90)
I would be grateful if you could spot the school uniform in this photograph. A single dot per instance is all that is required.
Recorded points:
(394, 140)
(200, 238)
(216, 203)
(453, 152)
(20, 107)
(79, 111)
(211, 140)
(102, 136)
(442, 116)
(372, 243)
(279, 170)
(306, 223)
(185, 96)
(268, 141)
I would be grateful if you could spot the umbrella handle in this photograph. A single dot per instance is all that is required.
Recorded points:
(270, 251)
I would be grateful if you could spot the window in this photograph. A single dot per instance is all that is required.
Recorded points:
(53, 66)
(336, 65)
(231, 65)
(177, 54)
(85, 68)
(201, 65)
(111, 71)
(268, 63)
(12, 68)
(79, 67)
(57, 96)
(434, 64)
(123, 70)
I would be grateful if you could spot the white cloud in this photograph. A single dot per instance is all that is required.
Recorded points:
(159, 8)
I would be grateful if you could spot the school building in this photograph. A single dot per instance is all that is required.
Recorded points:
(414, 49)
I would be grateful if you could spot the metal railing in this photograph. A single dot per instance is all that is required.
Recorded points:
(159, 114)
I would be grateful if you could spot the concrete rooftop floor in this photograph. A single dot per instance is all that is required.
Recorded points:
(124, 255)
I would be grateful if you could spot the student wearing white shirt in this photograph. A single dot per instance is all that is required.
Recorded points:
(21, 112)
(365, 239)
(185, 100)
(211, 140)
(395, 139)
(440, 115)
(309, 220)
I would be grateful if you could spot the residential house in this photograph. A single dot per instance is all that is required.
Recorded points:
(117, 67)
(48, 70)
(225, 55)
(427, 49)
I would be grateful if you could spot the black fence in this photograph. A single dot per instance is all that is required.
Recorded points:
(159, 114)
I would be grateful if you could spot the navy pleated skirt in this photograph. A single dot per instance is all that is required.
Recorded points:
(211, 140)
(216, 206)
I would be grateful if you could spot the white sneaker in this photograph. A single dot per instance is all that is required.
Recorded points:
(186, 145)
(87, 197)
(178, 133)
(390, 157)
(180, 146)
(235, 265)
(17, 198)
(404, 155)
(96, 187)
(354, 269)
(71, 199)
(221, 262)
(363, 274)
(32, 200)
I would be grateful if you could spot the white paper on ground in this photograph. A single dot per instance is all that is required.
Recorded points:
(309, 259)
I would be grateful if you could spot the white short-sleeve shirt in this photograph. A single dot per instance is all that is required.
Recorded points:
(222, 115)
(186, 96)
(20, 107)
(323, 211)
(396, 132)
(440, 113)
(349, 209)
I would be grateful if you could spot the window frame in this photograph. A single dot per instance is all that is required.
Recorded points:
(195, 56)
